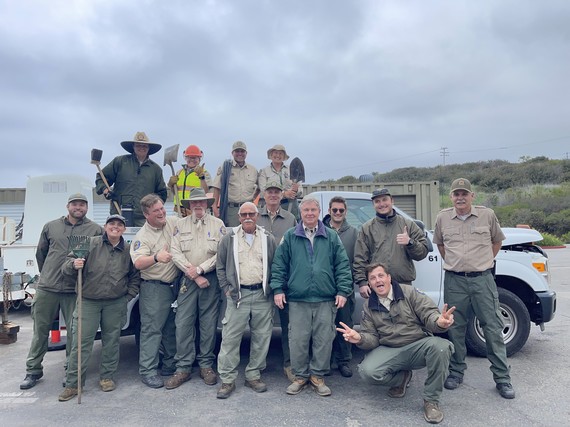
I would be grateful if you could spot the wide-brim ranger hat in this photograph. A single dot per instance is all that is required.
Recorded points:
(141, 138)
(197, 194)
(277, 147)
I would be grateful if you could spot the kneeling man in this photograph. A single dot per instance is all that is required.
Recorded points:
(397, 324)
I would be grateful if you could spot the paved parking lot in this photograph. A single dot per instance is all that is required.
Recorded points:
(540, 371)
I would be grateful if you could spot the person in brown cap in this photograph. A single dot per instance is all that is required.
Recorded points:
(278, 171)
(388, 238)
(468, 238)
(132, 177)
(192, 175)
(54, 291)
(110, 281)
(235, 184)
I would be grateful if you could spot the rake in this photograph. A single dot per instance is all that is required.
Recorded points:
(79, 245)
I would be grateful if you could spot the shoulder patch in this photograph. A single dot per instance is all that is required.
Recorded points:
(175, 231)
(137, 245)
(223, 230)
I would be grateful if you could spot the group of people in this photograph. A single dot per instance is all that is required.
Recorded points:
(260, 259)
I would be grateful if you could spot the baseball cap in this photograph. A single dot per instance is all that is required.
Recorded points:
(382, 192)
(77, 196)
(116, 216)
(274, 184)
(460, 184)
(238, 145)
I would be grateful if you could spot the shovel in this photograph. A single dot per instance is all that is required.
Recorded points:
(297, 170)
(79, 245)
(96, 160)
(170, 156)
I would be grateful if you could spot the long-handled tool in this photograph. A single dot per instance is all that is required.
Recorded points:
(79, 245)
(170, 156)
(96, 160)
(297, 176)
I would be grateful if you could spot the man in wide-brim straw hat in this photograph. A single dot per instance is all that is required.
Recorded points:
(194, 250)
(278, 171)
(132, 177)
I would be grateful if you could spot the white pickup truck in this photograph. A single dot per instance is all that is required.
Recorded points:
(521, 274)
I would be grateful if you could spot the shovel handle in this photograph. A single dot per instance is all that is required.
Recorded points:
(175, 193)
(108, 187)
(79, 334)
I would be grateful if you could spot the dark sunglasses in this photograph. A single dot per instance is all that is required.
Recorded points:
(248, 214)
(335, 210)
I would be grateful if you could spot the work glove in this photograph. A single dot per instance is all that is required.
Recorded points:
(109, 195)
(199, 170)
(173, 180)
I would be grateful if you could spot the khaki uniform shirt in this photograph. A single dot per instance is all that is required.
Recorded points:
(242, 183)
(196, 242)
(250, 260)
(468, 243)
(149, 241)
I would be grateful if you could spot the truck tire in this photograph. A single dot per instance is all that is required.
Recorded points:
(515, 333)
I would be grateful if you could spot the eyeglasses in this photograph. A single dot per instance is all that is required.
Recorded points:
(248, 214)
(335, 210)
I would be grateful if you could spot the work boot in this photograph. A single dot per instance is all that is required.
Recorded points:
(289, 373)
(107, 384)
(209, 376)
(432, 413)
(256, 385)
(345, 370)
(297, 386)
(177, 380)
(225, 390)
(30, 380)
(452, 382)
(153, 381)
(400, 389)
(506, 390)
(319, 385)
(67, 394)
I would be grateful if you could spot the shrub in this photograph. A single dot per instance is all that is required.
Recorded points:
(549, 240)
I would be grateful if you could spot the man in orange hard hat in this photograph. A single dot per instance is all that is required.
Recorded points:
(192, 175)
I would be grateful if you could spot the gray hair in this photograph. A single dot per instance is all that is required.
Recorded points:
(248, 204)
(308, 198)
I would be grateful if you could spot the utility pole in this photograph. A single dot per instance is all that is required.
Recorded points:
(444, 153)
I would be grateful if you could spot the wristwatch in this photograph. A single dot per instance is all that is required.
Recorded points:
(411, 242)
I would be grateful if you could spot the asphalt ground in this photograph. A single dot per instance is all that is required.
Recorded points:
(540, 373)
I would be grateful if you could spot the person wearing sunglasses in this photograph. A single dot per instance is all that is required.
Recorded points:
(336, 219)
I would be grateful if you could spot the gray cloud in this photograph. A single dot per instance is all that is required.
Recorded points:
(350, 87)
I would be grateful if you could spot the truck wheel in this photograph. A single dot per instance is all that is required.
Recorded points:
(515, 333)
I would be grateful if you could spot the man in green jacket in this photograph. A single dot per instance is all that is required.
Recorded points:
(311, 273)
(397, 325)
(132, 177)
(109, 281)
(54, 291)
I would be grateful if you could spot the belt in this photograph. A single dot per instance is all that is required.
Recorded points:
(158, 282)
(470, 274)
(252, 287)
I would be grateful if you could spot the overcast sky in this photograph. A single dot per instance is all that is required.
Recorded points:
(350, 87)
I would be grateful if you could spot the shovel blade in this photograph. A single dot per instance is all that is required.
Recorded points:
(171, 154)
